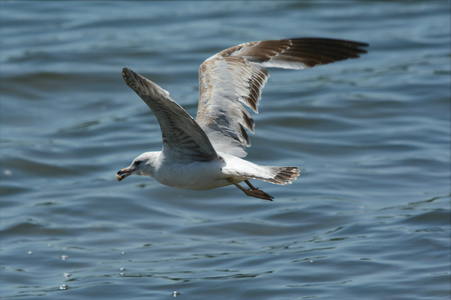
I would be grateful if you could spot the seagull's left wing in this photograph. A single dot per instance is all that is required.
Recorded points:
(183, 139)
(235, 77)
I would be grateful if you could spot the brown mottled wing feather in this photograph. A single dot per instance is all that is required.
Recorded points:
(237, 75)
(183, 139)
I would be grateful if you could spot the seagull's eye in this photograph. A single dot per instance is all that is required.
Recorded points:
(137, 163)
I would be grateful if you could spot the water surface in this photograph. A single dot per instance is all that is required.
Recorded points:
(369, 216)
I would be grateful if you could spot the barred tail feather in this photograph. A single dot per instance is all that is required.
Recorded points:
(284, 175)
(279, 175)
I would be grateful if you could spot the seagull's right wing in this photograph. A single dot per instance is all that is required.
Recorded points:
(183, 139)
(236, 76)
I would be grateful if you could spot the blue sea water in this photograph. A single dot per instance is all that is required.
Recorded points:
(369, 217)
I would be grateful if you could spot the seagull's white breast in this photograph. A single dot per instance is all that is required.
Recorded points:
(195, 175)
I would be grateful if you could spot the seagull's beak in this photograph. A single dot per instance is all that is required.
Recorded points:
(125, 172)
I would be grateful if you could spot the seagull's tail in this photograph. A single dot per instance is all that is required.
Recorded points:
(284, 175)
(279, 175)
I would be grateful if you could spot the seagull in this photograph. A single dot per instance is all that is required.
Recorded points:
(207, 152)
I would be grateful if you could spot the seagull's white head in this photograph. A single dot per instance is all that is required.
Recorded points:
(143, 165)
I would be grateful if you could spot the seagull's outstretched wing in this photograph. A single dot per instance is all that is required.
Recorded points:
(183, 139)
(237, 75)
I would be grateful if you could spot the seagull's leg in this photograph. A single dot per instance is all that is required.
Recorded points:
(262, 194)
(253, 191)
(250, 185)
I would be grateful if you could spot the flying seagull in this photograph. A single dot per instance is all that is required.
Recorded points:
(206, 152)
